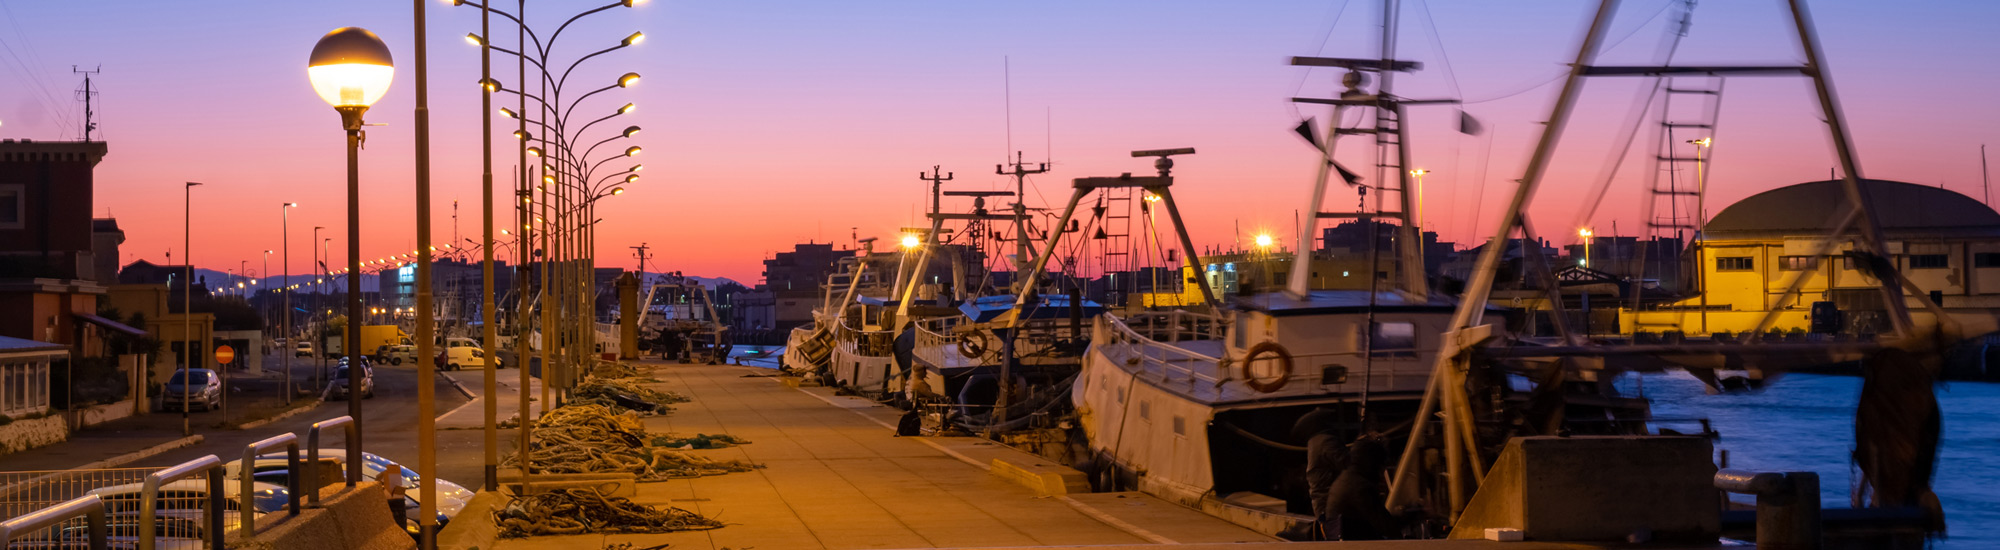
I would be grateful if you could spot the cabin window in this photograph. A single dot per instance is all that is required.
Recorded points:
(1795, 263)
(1986, 259)
(1180, 425)
(1393, 340)
(1929, 261)
(1145, 409)
(1741, 263)
(1333, 374)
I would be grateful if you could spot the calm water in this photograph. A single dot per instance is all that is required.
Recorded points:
(1806, 422)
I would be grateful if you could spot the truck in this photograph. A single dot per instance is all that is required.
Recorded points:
(373, 337)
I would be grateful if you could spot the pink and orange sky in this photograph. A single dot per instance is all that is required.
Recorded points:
(771, 123)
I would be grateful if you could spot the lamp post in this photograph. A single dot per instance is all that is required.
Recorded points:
(187, 302)
(350, 68)
(489, 336)
(426, 375)
(285, 318)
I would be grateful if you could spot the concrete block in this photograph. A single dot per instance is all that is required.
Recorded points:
(348, 519)
(473, 528)
(1598, 489)
(1045, 479)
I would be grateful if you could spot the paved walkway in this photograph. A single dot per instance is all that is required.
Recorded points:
(837, 477)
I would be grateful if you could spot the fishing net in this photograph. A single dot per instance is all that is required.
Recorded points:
(624, 394)
(573, 511)
(579, 439)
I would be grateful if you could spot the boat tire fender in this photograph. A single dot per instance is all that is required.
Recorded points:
(1257, 353)
(973, 345)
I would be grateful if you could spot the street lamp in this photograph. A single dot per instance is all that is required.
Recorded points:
(187, 301)
(1585, 234)
(350, 68)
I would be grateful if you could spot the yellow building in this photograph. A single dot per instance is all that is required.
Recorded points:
(1945, 243)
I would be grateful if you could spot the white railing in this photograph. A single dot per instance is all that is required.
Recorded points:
(938, 343)
(1163, 361)
(1177, 325)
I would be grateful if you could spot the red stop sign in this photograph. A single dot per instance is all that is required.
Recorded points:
(225, 354)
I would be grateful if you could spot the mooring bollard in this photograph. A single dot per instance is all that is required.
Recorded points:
(1787, 506)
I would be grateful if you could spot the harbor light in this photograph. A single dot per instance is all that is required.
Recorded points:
(1263, 241)
(635, 38)
(632, 151)
(911, 241)
(618, 190)
(628, 80)
(350, 68)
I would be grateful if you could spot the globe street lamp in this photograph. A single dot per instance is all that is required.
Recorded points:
(350, 69)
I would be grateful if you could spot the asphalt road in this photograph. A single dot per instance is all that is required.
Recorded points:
(389, 429)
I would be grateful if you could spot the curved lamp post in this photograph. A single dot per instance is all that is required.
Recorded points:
(350, 69)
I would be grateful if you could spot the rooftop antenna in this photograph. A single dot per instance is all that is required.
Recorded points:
(1985, 177)
(89, 113)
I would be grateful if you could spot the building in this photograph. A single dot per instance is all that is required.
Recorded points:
(50, 284)
(1946, 244)
(791, 289)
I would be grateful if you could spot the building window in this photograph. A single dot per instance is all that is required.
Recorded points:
(1795, 263)
(1929, 261)
(1986, 259)
(1743, 263)
(13, 207)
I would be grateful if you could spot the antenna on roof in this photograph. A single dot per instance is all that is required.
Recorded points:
(89, 114)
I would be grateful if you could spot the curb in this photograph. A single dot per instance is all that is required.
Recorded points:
(141, 454)
(461, 387)
(302, 409)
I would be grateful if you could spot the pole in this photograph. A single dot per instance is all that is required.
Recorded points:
(426, 366)
(1836, 128)
(285, 320)
(490, 392)
(521, 352)
(187, 303)
(352, 117)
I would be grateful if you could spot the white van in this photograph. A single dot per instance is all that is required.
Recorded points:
(456, 358)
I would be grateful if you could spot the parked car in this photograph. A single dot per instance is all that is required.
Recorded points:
(273, 468)
(304, 349)
(456, 358)
(340, 390)
(461, 343)
(400, 353)
(190, 388)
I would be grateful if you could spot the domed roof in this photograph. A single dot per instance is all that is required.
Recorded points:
(1809, 209)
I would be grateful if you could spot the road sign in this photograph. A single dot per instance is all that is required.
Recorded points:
(225, 355)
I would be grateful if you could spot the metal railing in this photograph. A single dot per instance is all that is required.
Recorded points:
(1178, 325)
(90, 507)
(1167, 362)
(23, 493)
(149, 501)
(247, 477)
(312, 453)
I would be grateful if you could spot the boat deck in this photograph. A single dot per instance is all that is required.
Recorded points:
(837, 477)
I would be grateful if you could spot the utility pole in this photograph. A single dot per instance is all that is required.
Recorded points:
(1020, 171)
(89, 114)
(642, 256)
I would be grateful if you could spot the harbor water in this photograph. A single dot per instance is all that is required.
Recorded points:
(1806, 423)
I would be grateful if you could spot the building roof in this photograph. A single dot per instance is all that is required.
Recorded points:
(10, 345)
(1901, 209)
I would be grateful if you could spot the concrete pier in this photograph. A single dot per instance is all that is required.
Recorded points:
(837, 477)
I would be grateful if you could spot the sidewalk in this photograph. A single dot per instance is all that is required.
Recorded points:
(838, 479)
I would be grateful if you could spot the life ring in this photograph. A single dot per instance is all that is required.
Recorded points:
(973, 348)
(1284, 359)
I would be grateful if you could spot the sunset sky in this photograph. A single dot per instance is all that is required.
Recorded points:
(769, 123)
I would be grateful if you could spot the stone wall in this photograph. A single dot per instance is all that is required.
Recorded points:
(21, 435)
(99, 414)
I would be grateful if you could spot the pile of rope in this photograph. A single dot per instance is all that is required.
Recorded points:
(579, 439)
(572, 511)
(613, 369)
(699, 441)
(624, 394)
